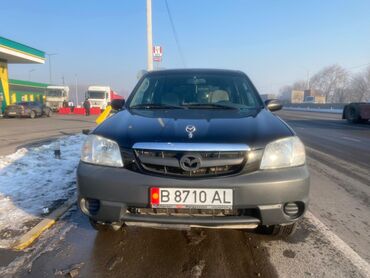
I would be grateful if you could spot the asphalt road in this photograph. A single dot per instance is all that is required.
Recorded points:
(333, 240)
(330, 134)
(17, 133)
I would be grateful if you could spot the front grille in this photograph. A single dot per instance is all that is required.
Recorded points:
(17, 109)
(212, 163)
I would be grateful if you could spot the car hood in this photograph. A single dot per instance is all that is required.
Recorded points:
(255, 128)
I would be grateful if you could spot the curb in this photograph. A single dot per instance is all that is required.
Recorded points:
(28, 238)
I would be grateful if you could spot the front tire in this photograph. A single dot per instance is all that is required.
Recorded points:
(278, 231)
(352, 115)
(33, 114)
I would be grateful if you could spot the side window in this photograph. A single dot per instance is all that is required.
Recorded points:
(143, 93)
(246, 93)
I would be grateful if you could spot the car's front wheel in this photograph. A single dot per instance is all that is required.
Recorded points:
(103, 227)
(32, 114)
(282, 231)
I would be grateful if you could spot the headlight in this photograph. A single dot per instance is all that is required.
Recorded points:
(101, 151)
(287, 152)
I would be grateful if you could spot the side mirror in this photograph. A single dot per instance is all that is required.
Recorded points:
(86, 131)
(273, 104)
(117, 104)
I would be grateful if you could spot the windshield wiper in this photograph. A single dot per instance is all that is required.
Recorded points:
(156, 106)
(210, 106)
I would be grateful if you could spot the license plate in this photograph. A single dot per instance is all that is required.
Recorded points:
(191, 198)
(12, 113)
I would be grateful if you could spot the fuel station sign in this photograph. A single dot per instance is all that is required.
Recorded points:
(157, 53)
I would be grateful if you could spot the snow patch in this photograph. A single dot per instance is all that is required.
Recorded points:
(33, 182)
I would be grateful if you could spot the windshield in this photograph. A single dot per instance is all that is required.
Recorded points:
(95, 95)
(204, 91)
(25, 103)
(54, 93)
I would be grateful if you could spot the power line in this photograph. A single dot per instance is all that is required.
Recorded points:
(175, 34)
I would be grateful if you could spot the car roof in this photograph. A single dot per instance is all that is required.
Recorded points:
(195, 71)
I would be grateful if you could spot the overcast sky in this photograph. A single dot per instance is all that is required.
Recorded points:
(104, 42)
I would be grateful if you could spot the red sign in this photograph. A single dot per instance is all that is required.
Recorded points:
(157, 51)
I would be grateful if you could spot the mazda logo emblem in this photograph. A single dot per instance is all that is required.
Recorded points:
(190, 129)
(191, 162)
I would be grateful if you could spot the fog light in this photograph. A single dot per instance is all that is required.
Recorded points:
(291, 209)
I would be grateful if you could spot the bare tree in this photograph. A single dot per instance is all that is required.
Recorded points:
(331, 81)
(284, 92)
(342, 95)
(299, 85)
(342, 92)
(360, 86)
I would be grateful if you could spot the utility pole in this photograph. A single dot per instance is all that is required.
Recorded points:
(149, 34)
(76, 91)
(50, 75)
(308, 80)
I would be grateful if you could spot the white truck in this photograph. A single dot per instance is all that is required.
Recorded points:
(55, 96)
(101, 96)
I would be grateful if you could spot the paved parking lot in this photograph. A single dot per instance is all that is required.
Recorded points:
(16, 133)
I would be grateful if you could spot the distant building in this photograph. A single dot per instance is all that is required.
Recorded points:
(297, 96)
(302, 96)
(320, 99)
(313, 96)
(20, 90)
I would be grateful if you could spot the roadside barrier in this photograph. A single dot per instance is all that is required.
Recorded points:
(308, 109)
(79, 111)
(64, 110)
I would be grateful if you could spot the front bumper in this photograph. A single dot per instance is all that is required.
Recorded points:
(13, 114)
(266, 192)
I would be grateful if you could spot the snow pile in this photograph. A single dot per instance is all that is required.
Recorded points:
(33, 183)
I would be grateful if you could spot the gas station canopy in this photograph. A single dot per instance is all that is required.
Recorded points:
(12, 52)
(16, 53)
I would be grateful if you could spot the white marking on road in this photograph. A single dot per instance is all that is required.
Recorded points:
(361, 264)
(350, 139)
